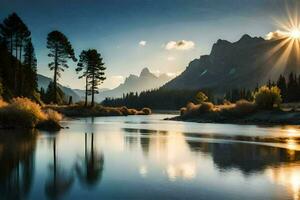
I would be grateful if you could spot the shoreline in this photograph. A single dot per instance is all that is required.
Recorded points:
(273, 117)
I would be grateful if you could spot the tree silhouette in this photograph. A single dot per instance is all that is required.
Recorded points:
(61, 51)
(29, 81)
(83, 65)
(59, 181)
(16, 34)
(93, 66)
(89, 170)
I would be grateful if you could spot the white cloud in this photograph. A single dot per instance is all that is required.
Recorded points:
(275, 35)
(180, 45)
(142, 43)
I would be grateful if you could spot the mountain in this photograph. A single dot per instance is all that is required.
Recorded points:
(145, 81)
(244, 63)
(44, 81)
(81, 93)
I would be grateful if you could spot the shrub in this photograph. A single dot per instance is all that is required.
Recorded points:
(190, 107)
(182, 111)
(206, 107)
(146, 111)
(21, 112)
(24, 113)
(244, 107)
(201, 97)
(266, 98)
(2, 103)
(53, 115)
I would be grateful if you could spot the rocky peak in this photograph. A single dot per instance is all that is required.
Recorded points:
(145, 72)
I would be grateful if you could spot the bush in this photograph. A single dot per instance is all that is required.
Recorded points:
(241, 108)
(146, 111)
(206, 107)
(2, 103)
(24, 113)
(201, 97)
(266, 98)
(21, 112)
(182, 111)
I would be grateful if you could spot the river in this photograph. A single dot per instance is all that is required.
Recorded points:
(146, 157)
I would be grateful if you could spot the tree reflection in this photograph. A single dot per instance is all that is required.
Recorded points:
(248, 158)
(16, 163)
(89, 170)
(59, 182)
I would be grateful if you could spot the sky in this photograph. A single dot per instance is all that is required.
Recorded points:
(163, 35)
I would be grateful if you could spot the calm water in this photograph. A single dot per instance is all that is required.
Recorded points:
(144, 157)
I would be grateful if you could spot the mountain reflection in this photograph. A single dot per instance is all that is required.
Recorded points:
(16, 163)
(179, 152)
(89, 170)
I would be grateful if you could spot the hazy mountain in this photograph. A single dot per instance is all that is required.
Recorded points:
(81, 93)
(44, 81)
(245, 63)
(145, 81)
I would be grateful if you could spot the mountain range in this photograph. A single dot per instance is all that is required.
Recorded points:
(133, 83)
(245, 63)
(43, 82)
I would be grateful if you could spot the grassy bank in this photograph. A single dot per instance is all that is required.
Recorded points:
(97, 111)
(241, 112)
(22, 113)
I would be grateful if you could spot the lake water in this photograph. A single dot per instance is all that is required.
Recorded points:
(145, 157)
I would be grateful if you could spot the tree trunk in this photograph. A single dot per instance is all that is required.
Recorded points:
(16, 69)
(12, 60)
(93, 86)
(55, 76)
(86, 91)
(20, 72)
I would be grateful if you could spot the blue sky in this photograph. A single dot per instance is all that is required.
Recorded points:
(133, 34)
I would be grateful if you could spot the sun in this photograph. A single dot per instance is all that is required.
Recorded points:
(294, 33)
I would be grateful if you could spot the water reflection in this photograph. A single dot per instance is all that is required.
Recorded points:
(16, 163)
(160, 163)
(288, 175)
(59, 180)
(172, 147)
(90, 168)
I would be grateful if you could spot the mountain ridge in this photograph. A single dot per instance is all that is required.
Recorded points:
(244, 63)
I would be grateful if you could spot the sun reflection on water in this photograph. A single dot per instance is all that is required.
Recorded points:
(288, 176)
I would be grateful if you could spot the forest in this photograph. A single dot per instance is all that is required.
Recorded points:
(18, 64)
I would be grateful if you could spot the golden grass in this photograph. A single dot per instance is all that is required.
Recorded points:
(24, 113)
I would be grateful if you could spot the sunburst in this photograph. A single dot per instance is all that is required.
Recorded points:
(288, 41)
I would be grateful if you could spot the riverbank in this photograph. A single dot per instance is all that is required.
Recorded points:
(260, 117)
(96, 111)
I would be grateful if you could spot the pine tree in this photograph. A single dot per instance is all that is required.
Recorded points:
(61, 51)
(29, 78)
(292, 88)
(95, 72)
(83, 65)
(15, 34)
(281, 84)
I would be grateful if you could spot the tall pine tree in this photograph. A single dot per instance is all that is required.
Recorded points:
(61, 51)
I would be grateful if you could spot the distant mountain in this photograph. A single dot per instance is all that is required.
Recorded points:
(44, 81)
(145, 81)
(81, 93)
(245, 63)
